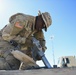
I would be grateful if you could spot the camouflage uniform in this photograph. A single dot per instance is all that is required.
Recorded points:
(21, 27)
(7, 61)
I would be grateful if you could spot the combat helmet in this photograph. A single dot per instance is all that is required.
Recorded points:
(46, 18)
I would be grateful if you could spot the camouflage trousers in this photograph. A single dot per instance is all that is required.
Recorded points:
(8, 61)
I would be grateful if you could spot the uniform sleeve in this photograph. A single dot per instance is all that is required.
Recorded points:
(10, 32)
(6, 33)
(40, 36)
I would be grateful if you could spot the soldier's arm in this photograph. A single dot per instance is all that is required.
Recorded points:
(15, 25)
(6, 33)
(40, 36)
(10, 33)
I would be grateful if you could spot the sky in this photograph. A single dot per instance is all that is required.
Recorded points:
(63, 28)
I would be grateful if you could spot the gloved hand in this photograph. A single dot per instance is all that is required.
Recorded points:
(42, 43)
(34, 52)
(14, 43)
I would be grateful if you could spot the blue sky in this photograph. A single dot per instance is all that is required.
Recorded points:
(63, 28)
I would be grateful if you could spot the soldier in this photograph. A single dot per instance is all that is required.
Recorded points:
(20, 30)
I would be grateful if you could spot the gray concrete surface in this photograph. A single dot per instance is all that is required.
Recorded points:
(57, 71)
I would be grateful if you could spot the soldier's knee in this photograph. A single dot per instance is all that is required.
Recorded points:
(13, 62)
(4, 65)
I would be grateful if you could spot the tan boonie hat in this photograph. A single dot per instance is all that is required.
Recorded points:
(46, 18)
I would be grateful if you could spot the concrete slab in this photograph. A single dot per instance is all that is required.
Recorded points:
(57, 71)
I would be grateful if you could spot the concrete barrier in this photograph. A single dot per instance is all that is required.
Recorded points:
(57, 71)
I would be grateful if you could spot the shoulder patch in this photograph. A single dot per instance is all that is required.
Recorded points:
(18, 25)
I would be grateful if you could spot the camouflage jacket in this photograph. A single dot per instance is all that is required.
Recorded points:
(20, 28)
